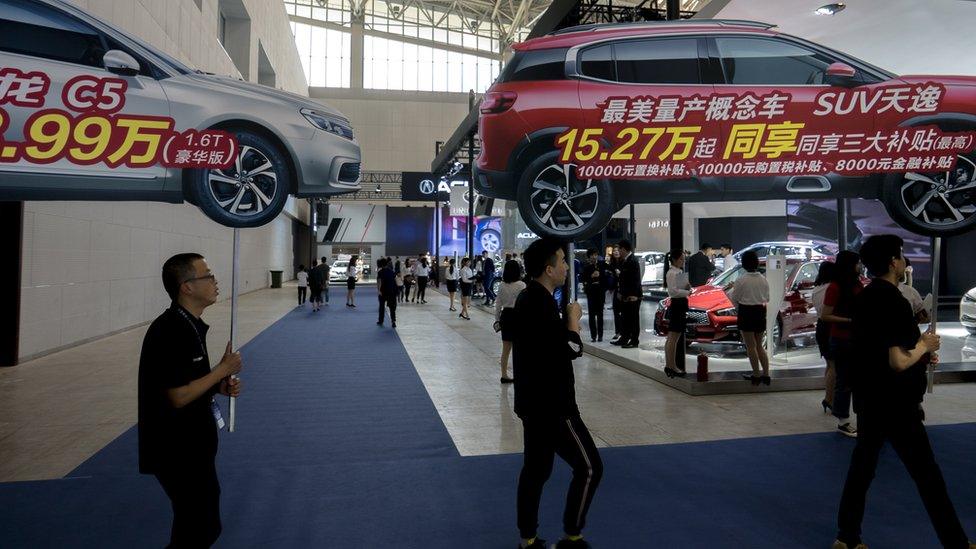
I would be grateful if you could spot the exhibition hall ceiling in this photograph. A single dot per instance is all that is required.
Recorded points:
(517, 14)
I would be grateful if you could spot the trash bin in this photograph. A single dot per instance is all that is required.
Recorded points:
(276, 279)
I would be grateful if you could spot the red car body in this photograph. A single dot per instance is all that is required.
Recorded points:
(547, 89)
(712, 317)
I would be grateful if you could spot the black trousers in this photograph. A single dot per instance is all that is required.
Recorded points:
(301, 295)
(595, 303)
(630, 320)
(618, 322)
(391, 302)
(195, 495)
(421, 288)
(909, 439)
(569, 438)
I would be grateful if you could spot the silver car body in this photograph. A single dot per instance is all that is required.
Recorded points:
(194, 100)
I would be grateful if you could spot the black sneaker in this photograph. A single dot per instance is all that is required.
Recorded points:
(847, 430)
(539, 543)
(572, 544)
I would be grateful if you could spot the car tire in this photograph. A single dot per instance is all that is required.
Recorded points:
(491, 241)
(548, 208)
(249, 193)
(934, 203)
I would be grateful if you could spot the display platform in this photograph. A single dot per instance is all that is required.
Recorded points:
(794, 367)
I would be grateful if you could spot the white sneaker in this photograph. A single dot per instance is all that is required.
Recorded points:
(848, 430)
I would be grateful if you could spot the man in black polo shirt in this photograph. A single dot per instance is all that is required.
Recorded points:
(700, 266)
(889, 382)
(545, 398)
(386, 290)
(178, 417)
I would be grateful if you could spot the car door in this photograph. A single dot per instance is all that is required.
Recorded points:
(40, 38)
(661, 73)
(798, 313)
(775, 81)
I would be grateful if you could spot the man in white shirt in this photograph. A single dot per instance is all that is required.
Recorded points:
(728, 260)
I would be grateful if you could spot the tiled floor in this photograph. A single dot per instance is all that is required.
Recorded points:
(58, 410)
(458, 362)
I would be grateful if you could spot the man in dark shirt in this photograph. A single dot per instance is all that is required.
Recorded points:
(889, 382)
(594, 278)
(178, 417)
(324, 271)
(386, 290)
(700, 266)
(630, 294)
(545, 398)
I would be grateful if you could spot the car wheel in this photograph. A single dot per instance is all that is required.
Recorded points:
(554, 202)
(934, 203)
(491, 241)
(249, 193)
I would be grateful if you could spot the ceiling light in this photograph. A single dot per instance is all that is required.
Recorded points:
(830, 9)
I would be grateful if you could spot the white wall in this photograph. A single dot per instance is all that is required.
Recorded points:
(93, 268)
(397, 130)
(903, 36)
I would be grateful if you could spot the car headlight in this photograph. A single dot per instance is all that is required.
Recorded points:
(727, 312)
(327, 123)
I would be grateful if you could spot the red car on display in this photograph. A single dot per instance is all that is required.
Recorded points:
(570, 80)
(712, 318)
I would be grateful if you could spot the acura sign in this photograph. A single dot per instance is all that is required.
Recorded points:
(424, 187)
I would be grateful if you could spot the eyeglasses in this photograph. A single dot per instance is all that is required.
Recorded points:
(212, 277)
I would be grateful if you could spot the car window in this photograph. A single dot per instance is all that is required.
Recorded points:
(598, 63)
(673, 61)
(29, 28)
(761, 251)
(770, 62)
(536, 65)
(807, 273)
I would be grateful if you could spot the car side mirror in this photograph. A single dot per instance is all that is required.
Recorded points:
(119, 62)
(842, 75)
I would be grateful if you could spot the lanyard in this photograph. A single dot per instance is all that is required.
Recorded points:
(203, 348)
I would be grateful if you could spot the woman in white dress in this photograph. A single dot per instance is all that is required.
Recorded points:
(512, 285)
(467, 284)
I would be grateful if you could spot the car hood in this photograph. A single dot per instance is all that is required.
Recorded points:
(258, 91)
(708, 298)
(942, 79)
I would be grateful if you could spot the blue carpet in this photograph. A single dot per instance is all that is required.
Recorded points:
(339, 446)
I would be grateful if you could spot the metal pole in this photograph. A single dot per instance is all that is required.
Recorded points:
(843, 214)
(936, 263)
(312, 232)
(235, 268)
(633, 228)
(437, 236)
(676, 227)
(571, 279)
(470, 224)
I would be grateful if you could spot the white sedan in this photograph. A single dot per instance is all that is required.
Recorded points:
(967, 311)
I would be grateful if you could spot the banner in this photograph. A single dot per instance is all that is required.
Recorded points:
(90, 130)
(850, 132)
(424, 186)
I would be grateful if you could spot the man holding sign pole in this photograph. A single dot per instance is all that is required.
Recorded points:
(889, 383)
(178, 416)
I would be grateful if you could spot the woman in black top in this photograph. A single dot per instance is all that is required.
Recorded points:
(452, 281)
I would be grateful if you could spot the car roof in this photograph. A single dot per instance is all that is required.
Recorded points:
(583, 34)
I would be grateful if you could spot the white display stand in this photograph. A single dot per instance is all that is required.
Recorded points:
(776, 278)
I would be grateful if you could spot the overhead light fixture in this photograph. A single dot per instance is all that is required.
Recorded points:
(830, 9)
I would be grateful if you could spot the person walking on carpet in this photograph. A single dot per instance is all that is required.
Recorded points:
(178, 416)
(316, 283)
(891, 358)
(544, 348)
(386, 291)
(302, 277)
(352, 275)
